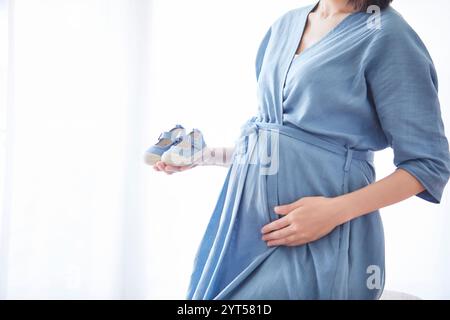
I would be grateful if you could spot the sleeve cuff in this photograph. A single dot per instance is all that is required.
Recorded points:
(433, 187)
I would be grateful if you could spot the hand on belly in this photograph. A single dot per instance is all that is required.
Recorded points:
(302, 221)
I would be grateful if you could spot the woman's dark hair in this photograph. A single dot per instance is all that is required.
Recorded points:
(362, 5)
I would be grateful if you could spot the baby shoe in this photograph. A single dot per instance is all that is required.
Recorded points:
(186, 152)
(165, 141)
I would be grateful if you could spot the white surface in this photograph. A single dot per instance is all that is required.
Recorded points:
(395, 295)
(75, 224)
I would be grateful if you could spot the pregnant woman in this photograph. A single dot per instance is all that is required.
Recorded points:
(335, 84)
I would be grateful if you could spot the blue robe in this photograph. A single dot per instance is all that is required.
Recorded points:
(358, 90)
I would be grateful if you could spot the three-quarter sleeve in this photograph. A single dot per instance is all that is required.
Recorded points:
(261, 52)
(403, 86)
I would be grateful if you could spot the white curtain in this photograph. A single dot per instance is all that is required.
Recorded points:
(73, 217)
(87, 85)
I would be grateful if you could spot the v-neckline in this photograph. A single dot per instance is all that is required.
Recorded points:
(289, 56)
(296, 56)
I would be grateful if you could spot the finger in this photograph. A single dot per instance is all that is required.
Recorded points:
(178, 168)
(170, 168)
(287, 241)
(278, 234)
(187, 167)
(161, 165)
(276, 225)
(285, 209)
(164, 167)
(155, 167)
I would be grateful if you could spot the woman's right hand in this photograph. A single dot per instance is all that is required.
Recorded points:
(169, 169)
(212, 157)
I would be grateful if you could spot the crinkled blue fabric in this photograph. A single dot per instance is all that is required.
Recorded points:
(358, 90)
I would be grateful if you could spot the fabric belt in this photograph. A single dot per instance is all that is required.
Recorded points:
(253, 127)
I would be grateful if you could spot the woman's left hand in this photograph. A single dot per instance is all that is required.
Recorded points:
(303, 221)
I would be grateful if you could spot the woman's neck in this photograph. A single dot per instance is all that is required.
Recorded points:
(330, 8)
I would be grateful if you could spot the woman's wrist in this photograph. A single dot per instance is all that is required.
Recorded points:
(392, 189)
(344, 208)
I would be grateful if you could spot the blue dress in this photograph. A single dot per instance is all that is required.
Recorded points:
(321, 117)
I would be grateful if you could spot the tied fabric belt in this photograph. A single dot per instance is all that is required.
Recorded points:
(253, 128)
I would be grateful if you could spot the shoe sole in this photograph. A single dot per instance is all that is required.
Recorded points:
(179, 161)
(151, 159)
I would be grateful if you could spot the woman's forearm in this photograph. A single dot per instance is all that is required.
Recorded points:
(311, 218)
(396, 187)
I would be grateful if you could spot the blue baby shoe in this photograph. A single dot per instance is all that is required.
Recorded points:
(165, 141)
(189, 150)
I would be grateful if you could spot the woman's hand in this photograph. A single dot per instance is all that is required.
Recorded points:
(211, 157)
(304, 221)
(312, 218)
(163, 167)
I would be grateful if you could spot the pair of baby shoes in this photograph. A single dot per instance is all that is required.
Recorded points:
(175, 147)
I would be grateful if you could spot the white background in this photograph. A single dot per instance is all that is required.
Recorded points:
(91, 85)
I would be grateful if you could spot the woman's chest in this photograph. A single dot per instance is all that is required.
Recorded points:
(335, 63)
(317, 29)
